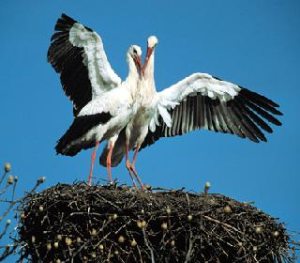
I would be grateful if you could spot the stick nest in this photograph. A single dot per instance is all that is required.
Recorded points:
(80, 223)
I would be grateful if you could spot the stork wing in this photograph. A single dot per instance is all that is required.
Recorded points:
(77, 53)
(202, 101)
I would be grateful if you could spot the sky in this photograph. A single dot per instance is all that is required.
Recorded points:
(251, 43)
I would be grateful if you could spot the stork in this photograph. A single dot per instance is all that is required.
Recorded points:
(102, 103)
(199, 101)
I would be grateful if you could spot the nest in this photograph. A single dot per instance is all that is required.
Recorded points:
(80, 223)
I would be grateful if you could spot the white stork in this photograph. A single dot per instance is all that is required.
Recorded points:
(102, 103)
(199, 101)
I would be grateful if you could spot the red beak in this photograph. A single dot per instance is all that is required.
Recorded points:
(138, 63)
(148, 55)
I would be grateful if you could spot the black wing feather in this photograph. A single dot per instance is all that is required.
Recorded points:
(80, 126)
(245, 115)
(67, 60)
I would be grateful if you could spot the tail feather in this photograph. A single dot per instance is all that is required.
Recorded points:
(116, 158)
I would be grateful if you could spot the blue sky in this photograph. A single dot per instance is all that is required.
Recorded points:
(252, 43)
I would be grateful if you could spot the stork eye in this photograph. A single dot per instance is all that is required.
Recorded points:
(134, 51)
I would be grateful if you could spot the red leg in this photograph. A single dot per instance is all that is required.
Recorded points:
(136, 151)
(108, 162)
(128, 165)
(92, 164)
(133, 167)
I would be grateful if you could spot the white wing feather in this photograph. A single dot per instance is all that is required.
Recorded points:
(203, 83)
(101, 74)
(114, 101)
(196, 83)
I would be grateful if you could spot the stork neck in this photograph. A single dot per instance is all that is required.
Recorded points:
(149, 70)
(132, 71)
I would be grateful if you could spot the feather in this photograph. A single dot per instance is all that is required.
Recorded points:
(77, 62)
(80, 126)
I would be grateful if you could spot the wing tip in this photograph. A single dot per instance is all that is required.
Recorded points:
(248, 93)
(64, 23)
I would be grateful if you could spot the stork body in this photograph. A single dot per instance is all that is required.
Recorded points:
(102, 103)
(137, 129)
(199, 101)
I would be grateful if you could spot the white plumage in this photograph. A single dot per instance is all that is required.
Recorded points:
(132, 114)
(102, 103)
(197, 84)
(198, 101)
(101, 74)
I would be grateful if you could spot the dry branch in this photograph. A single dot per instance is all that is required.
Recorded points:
(79, 223)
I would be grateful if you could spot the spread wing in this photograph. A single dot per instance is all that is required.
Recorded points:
(76, 52)
(201, 101)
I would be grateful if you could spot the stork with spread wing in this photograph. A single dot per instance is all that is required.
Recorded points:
(102, 103)
(199, 101)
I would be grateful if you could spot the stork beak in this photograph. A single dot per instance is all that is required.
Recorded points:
(148, 55)
(138, 63)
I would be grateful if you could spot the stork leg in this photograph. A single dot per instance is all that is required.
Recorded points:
(92, 163)
(132, 167)
(108, 161)
(128, 165)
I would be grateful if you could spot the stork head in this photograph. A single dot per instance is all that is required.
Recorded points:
(135, 52)
(151, 44)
